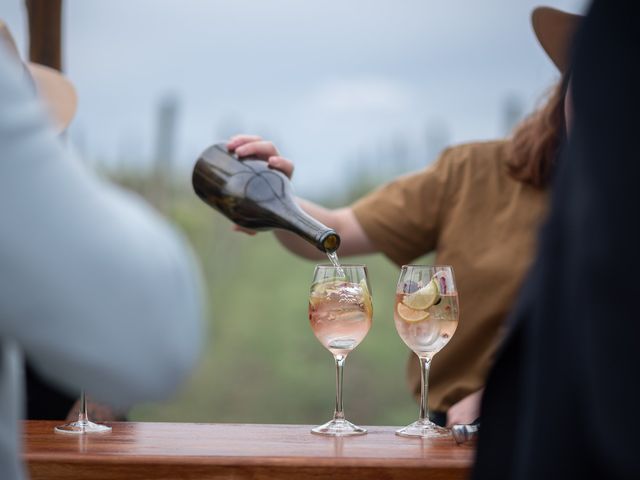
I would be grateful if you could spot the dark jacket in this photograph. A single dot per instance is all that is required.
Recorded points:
(564, 392)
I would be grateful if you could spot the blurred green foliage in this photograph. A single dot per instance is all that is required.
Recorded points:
(261, 362)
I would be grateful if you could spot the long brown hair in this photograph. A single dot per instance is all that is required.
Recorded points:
(536, 140)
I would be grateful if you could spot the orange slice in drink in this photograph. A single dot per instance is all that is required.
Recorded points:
(410, 314)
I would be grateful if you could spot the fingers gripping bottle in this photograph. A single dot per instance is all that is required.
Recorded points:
(255, 196)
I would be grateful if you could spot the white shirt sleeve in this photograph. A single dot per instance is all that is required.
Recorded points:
(98, 290)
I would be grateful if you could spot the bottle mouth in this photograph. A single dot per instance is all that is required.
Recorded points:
(330, 242)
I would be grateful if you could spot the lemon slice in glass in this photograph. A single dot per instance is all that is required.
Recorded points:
(363, 286)
(366, 297)
(411, 315)
(320, 290)
(423, 298)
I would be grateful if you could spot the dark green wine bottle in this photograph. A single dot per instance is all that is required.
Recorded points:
(255, 196)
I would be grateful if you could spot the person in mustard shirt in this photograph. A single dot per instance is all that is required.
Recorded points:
(479, 207)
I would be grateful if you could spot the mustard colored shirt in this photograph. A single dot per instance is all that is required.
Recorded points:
(478, 220)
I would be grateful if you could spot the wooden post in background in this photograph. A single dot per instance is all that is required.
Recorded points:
(45, 32)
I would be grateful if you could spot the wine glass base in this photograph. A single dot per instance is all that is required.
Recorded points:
(424, 429)
(338, 428)
(82, 427)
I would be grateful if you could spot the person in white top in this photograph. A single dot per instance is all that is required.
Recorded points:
(96, 288)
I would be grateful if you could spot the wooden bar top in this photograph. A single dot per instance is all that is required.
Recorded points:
(135, 450)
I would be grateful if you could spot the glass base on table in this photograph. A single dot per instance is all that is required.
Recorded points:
(338, 428)
(424, 429)
(82, 427)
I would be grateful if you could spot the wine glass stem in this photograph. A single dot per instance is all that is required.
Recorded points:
(82, 413)
(425, 363)
(338, 414)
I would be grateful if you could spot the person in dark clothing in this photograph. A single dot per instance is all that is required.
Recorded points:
(560, 397)
(45, 401)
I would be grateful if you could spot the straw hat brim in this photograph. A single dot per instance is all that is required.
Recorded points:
(57, 92)
(555, 30)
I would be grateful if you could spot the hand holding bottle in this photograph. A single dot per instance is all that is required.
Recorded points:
(255, 146)
(353, 238)
(245, 145)
(244, 188)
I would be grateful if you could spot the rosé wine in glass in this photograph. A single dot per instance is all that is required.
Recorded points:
(426, 331)
(340, 314)
(426, 316)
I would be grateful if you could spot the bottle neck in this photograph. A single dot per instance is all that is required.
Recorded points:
(305, 226)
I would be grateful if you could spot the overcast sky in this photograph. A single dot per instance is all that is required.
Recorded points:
(333, 81)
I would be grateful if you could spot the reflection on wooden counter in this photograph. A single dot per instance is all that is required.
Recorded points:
(189, 450)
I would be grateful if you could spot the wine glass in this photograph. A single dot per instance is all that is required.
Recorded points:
(340, 313)
(83, 424)
(426, 317)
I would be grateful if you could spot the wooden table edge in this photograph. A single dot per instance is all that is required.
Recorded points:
(245, 460)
